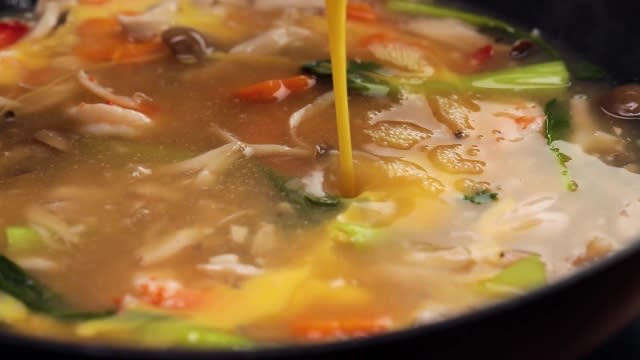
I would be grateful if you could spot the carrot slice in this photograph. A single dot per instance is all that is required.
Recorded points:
(99, 27)
(359, 11)
(98, 49)
(275, 90)
(130, 51)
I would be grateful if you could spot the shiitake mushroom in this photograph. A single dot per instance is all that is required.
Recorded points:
(188, 45)
(622, 102)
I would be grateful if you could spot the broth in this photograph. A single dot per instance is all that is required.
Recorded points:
(201, 211)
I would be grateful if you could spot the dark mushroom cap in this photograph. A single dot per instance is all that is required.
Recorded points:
(622, 102)
(188, 45)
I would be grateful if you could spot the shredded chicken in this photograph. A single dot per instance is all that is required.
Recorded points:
(272, 41)
(43, 219)
(46, 97)
(172, 245)
(104, 119)
(151, 22)
(212, 161)
(37, 264)
(229, 264)
(53, 139)
(261, 149)
(107, 94)
(50, 13)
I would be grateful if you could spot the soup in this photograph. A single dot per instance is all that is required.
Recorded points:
(169, 170)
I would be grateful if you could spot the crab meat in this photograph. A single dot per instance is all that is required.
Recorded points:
(133, 102)
(105, 119)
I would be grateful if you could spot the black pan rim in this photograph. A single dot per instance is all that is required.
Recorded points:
(78, 349)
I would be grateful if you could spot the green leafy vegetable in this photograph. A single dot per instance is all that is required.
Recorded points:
(420, 9)
(374, 79)
(557, 124)
(35, 295)
(556, 121)
(22, 238)
(523, 275)
(355, 234)
(550, 75)
(481, 197)
(362, 76)
(308, 208)
(160, 330)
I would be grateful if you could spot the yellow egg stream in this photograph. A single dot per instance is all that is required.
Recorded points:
(337, 18)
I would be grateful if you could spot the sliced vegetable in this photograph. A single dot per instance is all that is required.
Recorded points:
(372, 79)
(308, 207)
(556, 125)
(321, 329)
(363, 77)
(22, 238)
(550, 75)
(360, 11)
(526, 274)
(481, 197)
(161, 330)
(415, 8)
(35, 295)
(275, 90)
(355, 234)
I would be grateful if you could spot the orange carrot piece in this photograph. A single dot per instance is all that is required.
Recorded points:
(99, 27)
(345, 328)
(132, 51)
(97, 50)
(275, 90)
(299, 83)
(359, 11)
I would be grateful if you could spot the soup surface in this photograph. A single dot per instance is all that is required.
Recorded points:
(169, 170)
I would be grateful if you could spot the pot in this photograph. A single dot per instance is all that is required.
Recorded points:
(565, 320)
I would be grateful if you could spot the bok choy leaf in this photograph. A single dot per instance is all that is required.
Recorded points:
(157, 329)
(557, 123)
(308, 208)
(35, 295)
(371, 76)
